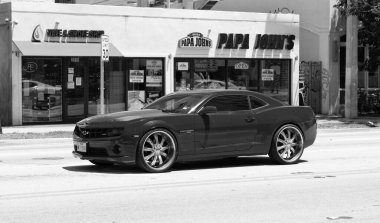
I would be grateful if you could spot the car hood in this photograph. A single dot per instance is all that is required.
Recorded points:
(122, 116)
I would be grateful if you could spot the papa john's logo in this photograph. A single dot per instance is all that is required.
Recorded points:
(37, 34)
(195, 40)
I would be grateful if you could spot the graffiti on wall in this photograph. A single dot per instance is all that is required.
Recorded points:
(325, 83)
(310, 84)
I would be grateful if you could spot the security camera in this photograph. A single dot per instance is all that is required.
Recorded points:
(6, 20)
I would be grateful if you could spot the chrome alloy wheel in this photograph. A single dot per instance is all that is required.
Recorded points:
(158, 150)
(289, 143)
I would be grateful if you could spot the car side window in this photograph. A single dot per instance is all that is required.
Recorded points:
(229, 103)
(256, 103)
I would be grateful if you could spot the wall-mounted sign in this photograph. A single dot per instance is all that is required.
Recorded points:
(267, 74)
(274, 42)
(136, 76)
(195, 40)
(183, 66)
(37, 34)
(66, 35)
(30, 67)
(233, 41)
(241, 66)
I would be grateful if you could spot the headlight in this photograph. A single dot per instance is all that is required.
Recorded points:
(112, 132)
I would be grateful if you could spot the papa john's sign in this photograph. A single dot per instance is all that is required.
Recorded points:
(195, 40)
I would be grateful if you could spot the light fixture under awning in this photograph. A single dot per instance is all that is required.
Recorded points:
(64, 49)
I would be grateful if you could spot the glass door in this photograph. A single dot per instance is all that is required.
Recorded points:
(74, 96)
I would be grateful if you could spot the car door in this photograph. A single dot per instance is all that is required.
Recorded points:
(228, 129)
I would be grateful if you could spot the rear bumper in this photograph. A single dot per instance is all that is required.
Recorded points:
(310, 134)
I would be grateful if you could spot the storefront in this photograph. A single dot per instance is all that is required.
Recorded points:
(55, 61)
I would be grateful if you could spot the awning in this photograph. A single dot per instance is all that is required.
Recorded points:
(63, 49)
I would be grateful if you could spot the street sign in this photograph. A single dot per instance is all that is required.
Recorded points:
(105, 48)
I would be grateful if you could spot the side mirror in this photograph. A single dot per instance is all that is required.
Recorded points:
(208, 109)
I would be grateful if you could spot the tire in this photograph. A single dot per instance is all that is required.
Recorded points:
(287, 145)
(157, 151)
(101, 163)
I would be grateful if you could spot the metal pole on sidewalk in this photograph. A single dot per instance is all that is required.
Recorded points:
(103, 58)
(101, 87)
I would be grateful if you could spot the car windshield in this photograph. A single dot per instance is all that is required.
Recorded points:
(179, 103)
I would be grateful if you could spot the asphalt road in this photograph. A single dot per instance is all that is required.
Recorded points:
(337, 180)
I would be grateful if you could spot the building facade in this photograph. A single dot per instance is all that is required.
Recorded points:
(52, 69)
(322, 39)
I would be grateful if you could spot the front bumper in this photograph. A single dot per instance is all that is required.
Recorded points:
(112, 150)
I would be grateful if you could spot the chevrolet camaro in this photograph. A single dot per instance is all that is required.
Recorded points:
(197, 125)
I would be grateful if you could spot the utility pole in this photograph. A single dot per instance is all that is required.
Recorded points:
(351, 84)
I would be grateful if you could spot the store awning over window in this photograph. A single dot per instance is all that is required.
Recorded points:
(64, 49)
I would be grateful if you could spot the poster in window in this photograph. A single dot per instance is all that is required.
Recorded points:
(154, 65)
(78, 81)
(154, 76)
(136, 76)
(70, 85)
(152, 96)
(70, 77)
(267, 74)
(136, 100)
(183, 66)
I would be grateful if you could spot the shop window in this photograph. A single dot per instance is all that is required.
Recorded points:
(145, 83)
(41, 90)
(209, 74)
(242, 75)
(183, 80)
(275, 79)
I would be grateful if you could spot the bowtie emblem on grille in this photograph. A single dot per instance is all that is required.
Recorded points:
(85, 132)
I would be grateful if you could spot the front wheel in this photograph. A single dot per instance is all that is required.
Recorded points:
(157, 151)
(287, 145)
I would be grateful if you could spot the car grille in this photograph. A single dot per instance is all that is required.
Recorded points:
(87, 133)
(95, 152)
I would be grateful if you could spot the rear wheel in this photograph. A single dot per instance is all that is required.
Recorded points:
(101, 163)
(287, 145)
(157, 151)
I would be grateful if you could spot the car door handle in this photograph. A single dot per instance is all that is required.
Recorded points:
(249, 119)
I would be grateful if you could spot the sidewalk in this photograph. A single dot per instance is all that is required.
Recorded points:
(338, 122)
(323, 121)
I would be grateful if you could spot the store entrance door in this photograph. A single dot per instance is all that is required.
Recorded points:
(75, 103)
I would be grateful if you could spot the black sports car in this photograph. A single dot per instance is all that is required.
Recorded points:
(197, 125)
